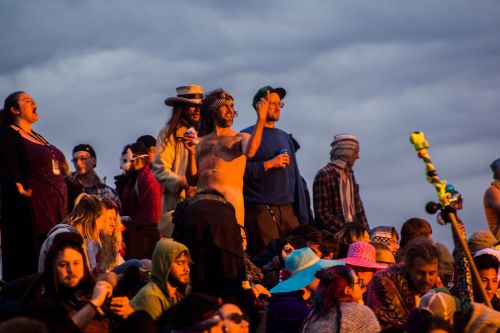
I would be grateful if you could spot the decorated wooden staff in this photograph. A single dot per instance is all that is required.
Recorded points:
(448, 200)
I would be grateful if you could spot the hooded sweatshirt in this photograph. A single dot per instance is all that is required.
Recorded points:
(154, 297)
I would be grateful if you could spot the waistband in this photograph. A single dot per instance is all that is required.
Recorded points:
(208, 195)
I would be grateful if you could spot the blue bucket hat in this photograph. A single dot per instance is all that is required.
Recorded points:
(303, 263)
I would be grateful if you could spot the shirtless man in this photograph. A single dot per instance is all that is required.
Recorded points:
(492, 201)
(222, 153)
(211, 223)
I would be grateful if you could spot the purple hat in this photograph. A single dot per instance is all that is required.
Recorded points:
(362, 254)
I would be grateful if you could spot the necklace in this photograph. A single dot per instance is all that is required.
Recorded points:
(38, 138)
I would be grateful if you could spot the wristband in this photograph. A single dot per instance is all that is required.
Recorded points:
(96, 308)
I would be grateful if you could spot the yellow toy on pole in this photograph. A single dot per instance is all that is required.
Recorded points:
(421, 145)
(449, 199)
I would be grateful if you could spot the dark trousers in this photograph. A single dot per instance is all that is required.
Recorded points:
(267, 222)
(209, 229)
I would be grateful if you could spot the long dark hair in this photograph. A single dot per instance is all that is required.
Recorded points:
(331, 292)
(177, 120)
(208, 109)
(348, 234)
(207, 112)
(12, 101)
(63, 241)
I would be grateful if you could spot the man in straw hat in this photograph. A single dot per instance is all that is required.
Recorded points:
(210, 224)
(169, 165)
(335, 191)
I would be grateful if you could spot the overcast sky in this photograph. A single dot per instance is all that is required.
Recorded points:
(100, 71)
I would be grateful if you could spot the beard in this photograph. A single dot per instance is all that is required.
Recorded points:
(223, 122)
(273, 116)
(176, 282)
(272, 119)
(67, 291)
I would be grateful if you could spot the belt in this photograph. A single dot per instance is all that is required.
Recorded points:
(215, 196)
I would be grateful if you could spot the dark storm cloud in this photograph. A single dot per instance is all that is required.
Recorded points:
(101, 70)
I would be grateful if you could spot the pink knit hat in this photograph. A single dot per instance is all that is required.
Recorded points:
(362, 254)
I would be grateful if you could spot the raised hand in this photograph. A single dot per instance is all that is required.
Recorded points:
(263, 106)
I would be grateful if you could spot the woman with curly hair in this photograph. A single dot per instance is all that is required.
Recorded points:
(335, 307)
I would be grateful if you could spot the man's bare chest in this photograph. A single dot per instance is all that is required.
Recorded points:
(222, 147)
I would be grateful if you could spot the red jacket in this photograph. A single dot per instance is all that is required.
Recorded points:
(140, 196)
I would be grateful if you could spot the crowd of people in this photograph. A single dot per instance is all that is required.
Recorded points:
(208, 229)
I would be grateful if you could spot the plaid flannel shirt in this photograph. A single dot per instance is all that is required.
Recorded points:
(327, 203)
(100, 190)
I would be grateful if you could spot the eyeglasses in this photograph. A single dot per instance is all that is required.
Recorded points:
(277, 104)
(360, 282)
(235, 317)
(83, 159)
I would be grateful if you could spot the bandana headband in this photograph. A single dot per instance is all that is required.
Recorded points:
(222, 98)
(219, 102)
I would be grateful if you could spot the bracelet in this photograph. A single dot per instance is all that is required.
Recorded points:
(95, 307)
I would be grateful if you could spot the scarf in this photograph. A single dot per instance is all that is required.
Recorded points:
(343, 147)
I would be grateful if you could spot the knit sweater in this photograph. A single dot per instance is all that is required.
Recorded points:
(355, 318)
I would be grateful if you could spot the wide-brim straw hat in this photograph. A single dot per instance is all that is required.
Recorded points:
(190, 94)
